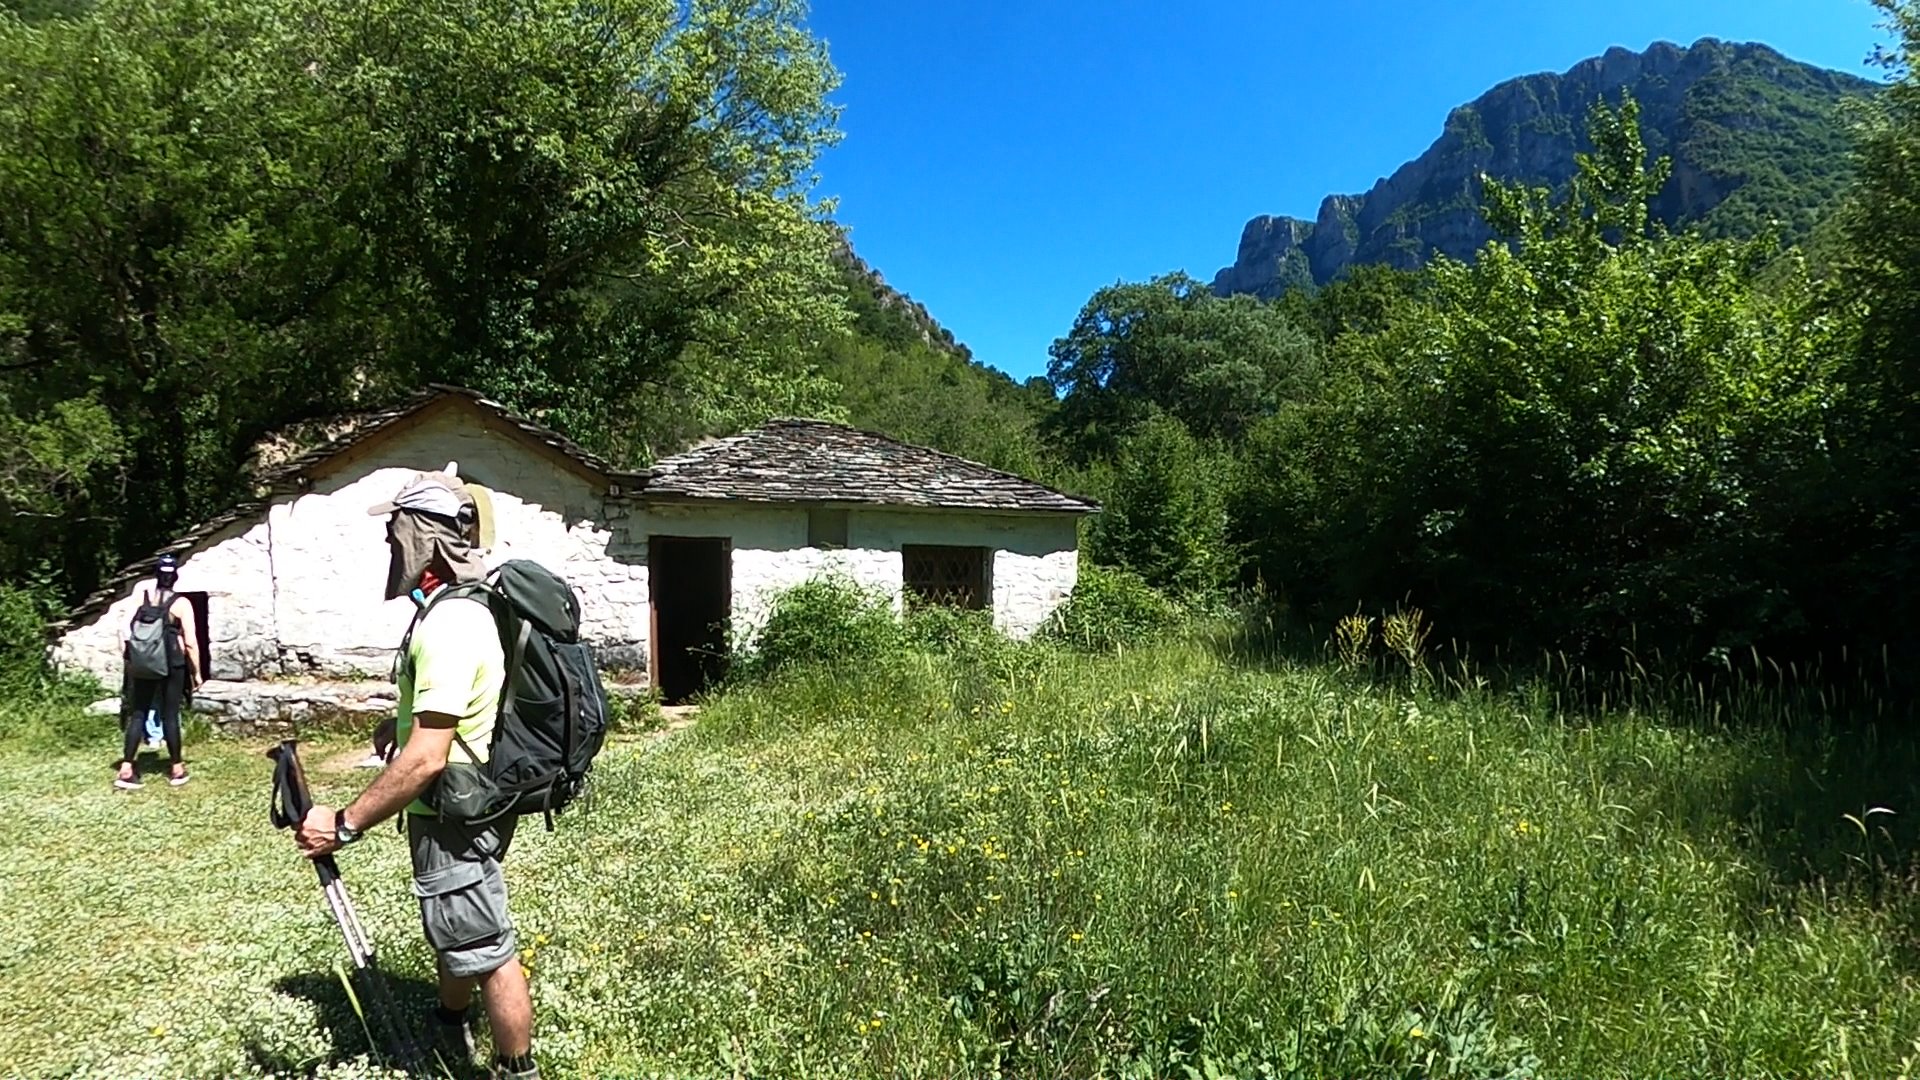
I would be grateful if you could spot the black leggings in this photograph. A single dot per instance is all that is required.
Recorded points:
(164, 695)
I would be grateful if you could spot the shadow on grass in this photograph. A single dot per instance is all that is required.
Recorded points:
(348, 1036)
(1825, 800)
(1835, 813)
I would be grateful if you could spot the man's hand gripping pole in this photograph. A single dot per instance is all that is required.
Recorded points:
(291, 801)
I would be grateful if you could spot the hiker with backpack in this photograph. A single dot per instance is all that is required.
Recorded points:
(499, 713)
(160, 649)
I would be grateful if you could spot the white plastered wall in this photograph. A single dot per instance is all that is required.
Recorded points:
(234, 568)
(1035, 557)
(330, 557)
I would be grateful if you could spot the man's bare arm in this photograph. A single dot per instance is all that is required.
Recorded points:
(409, 775)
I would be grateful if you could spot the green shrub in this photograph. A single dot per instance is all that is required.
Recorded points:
(1109, 609)
(24, 611)
(951, 631)
(828, 620)
(1164, 516)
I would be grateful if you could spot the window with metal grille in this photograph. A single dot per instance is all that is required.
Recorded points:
(951, 576)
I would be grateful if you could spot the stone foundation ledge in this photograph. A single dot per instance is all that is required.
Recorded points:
(258, 702)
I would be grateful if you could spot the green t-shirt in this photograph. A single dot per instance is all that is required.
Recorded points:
(454, 666)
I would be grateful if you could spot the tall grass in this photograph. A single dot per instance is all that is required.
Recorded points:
(962, 857)
(40, 707)
(1163, 863)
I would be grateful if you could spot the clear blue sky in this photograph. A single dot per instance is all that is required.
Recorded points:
(1002, 159)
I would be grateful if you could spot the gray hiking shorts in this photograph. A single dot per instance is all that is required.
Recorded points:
(463, 893)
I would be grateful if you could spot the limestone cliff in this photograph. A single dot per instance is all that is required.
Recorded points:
(1755, 137)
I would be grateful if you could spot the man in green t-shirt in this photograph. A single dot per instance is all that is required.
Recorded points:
(449, 675)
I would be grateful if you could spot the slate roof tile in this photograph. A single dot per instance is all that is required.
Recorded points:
(799, 460)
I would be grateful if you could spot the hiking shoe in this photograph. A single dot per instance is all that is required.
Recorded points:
(178, 779)
(452, 1043)
(501, 1071)
(127, 783)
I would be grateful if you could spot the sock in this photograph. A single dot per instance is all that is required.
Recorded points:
(520, 1064)
(449, 1017)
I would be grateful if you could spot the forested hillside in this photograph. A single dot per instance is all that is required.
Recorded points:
(898, 371)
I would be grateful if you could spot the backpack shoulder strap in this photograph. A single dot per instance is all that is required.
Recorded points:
(483, 591)
(464, 588)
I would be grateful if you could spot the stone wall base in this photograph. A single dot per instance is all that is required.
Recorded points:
(244, 705)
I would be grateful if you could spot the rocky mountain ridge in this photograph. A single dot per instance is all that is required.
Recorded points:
(1754, 136)
(860, 276)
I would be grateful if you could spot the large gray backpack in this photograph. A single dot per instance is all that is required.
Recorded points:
(552, 719)
(151, 644)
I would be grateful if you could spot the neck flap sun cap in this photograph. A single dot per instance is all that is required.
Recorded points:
(427, 493)
(435, 527)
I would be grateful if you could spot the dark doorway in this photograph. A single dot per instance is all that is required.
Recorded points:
(691, 581)
(204, 634)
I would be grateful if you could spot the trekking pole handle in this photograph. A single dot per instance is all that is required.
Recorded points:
(292, 798)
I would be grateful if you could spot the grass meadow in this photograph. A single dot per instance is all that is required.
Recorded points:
(1024, 861)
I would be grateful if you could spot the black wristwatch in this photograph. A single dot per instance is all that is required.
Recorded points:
(344, 832)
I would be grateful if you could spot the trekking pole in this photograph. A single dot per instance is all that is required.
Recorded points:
(291, 801)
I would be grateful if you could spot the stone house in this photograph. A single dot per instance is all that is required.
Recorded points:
(665, 559)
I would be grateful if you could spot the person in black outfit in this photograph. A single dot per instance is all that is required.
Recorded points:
(164, 695)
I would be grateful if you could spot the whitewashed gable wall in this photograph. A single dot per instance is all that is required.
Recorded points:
(331, 615)
(300, 592)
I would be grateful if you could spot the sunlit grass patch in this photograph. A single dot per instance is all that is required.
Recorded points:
(1031, 863)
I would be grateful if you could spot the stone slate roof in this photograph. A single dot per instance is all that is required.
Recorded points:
(122, 583)
(796, 460)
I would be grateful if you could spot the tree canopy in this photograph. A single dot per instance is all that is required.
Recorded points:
(219, 216)
(1216, 364)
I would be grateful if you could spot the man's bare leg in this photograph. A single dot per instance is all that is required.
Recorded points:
(509, 1004)
(509, 1008)
(456, 993)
